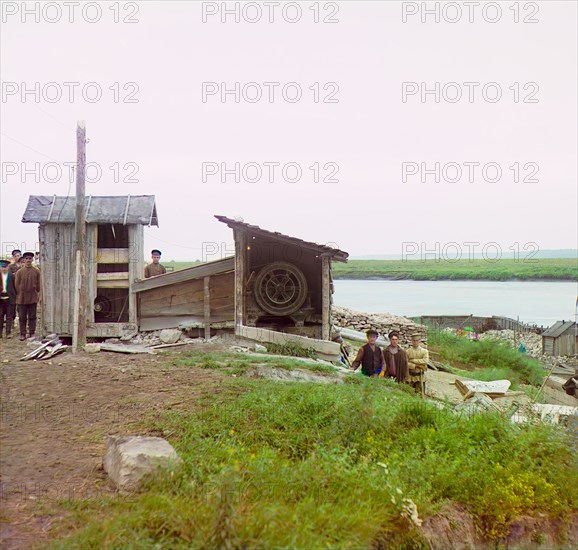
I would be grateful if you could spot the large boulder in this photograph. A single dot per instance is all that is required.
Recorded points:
(170, 335)
(129, 459)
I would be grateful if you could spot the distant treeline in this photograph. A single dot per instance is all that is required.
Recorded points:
(558, 269)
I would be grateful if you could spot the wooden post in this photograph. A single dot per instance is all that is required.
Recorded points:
(80, 226)
(325, 298)
(240, 276)
(207, 307)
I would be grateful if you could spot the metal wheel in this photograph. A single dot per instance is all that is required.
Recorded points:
(280, 288)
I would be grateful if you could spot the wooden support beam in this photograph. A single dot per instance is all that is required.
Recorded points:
(240, 276)
(207, 307)
(325, 298)
(80, 225)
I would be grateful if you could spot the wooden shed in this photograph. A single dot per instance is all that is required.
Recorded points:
(560, 339)
(282, 283)
(273, 282)
(114, 260)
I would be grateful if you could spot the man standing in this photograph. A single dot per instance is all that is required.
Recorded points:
(395, 360)
(7, 298)
(15, 265)
(27, 283)
(369, 356)
(418, 358)
(155, 268)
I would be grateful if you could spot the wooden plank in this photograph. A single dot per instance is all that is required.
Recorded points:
(113, 284)
(324, 347)
(123, 275)
(174, 321)
(325, 297)
(111, 330)
(195, 272)
(112, 255)
(91, 269)
(135, 268)
(207, 307)
(77, 345)
(240, 275)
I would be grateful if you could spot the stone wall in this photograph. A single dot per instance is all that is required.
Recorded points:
(382, 322)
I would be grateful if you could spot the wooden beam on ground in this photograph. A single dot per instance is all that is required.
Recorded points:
(325, 349)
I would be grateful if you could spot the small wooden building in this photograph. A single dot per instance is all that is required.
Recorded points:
(114, 260)
(282, 283)
(273, 282)
(560, 339)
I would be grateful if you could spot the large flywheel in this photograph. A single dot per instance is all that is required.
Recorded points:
(280, 288)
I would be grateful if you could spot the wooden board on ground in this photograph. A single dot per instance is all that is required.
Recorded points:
(326, 350)
(492, 389)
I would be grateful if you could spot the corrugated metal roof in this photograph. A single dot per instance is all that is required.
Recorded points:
(125, 210)
(335, 253)
(558, 328)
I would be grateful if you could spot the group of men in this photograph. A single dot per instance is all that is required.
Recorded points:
(404, 366)
(20, 291)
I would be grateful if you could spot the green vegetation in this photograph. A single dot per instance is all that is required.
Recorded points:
(294, 465)
(293, 349)
(499, 361)
(563, 269)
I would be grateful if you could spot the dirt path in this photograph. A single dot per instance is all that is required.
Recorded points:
(55, 415)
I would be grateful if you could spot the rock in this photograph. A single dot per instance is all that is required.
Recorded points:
(170, 335)
(259, 348)
(129, 459)
(92, 348)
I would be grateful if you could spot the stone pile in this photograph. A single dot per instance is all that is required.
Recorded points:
(531, 340)
(382, 322)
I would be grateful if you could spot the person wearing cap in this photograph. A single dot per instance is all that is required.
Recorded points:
(369, 356)
(418, 358)
(395, 360)
(15, 265)
(7, 298)
(155, 268)
(27, 283)
(343, 351)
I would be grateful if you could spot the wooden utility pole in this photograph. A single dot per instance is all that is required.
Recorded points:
(79, 328)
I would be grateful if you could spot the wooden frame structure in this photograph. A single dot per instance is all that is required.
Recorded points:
(114, 260)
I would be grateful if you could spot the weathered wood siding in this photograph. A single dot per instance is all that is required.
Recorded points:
(187, 299)
(57, 266)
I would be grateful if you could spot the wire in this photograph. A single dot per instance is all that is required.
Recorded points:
(31, 148)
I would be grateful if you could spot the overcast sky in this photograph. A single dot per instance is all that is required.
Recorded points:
(352, 128)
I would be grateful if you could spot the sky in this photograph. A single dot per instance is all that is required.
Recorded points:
(379, 127)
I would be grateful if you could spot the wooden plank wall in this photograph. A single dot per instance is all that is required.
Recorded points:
(188, 298)
(57, 268)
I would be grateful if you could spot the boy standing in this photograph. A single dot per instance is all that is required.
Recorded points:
(369, 356)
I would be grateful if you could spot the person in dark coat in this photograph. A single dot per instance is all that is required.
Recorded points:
(7, 298)
(395, 360)
(369, 356)
(155, 268)
(27, 283)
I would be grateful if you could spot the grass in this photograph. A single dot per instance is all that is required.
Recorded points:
(561, 269)
(497, 360)
(312, 466)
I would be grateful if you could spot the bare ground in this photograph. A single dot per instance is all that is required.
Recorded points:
(55, 416)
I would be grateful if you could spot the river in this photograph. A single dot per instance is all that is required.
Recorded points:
(542, 303)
